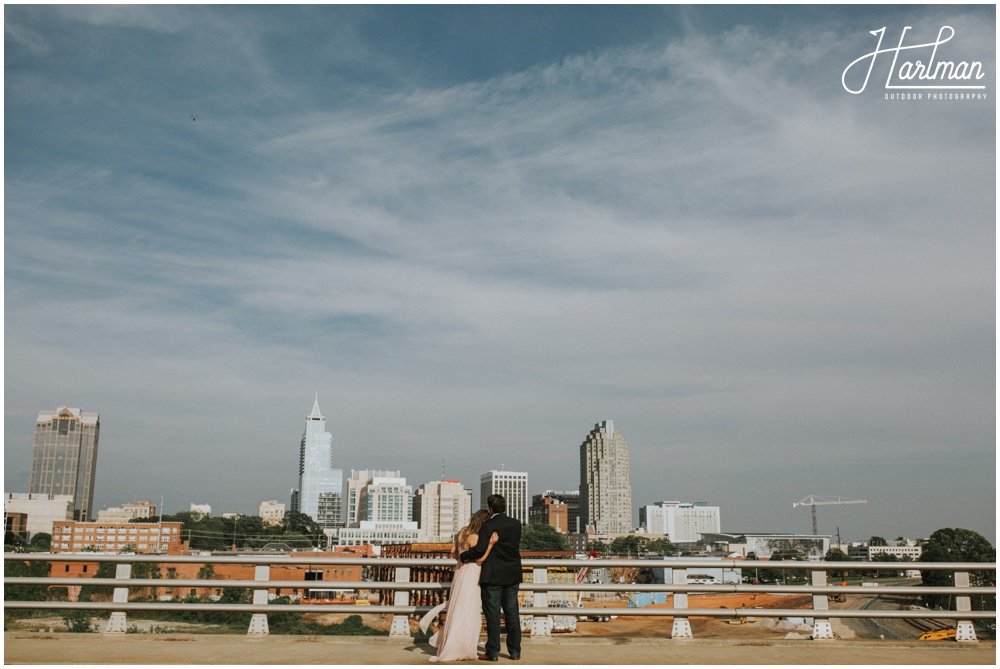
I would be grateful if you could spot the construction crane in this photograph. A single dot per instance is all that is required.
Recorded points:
(816, 500)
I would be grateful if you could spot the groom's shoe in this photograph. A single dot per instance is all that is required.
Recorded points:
(487, 658)
(515, 656)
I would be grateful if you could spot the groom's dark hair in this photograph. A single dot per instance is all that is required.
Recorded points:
(497, 503)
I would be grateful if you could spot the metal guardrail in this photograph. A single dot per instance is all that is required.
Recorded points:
(539, 611)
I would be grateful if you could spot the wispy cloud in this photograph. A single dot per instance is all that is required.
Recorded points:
(700, 237)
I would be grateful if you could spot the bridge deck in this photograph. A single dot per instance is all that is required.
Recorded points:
(65, 648)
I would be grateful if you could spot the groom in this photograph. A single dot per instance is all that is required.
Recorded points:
(499, 578)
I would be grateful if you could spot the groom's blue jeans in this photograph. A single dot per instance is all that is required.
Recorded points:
(495, 598)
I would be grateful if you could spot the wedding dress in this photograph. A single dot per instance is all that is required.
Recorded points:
(459, 638)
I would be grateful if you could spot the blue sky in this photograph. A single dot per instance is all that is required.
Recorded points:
(478, 231)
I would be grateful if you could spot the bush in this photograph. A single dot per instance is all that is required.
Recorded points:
(77, 621)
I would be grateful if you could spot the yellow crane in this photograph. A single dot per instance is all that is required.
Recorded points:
(815, 500)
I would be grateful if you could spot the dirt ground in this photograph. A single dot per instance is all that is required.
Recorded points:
(629, 626)
(647, 626)
(701, 627)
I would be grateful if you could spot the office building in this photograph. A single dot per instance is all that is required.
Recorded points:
(605, 490)
(40, 510)
(76, 537)
(126, 512)
(380, 508)
(201, 510)
(320, 484)
(64, 457)
(385, 499)
(271, 512)
(357, 484)
(558, 508)
(441, 509)
(680, 521)
(512, 485)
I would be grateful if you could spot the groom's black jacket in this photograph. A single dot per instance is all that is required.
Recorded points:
(503, 566)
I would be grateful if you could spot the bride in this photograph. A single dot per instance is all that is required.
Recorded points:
(459, 637)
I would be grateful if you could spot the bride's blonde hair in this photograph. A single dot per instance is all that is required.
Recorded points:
(475, 524)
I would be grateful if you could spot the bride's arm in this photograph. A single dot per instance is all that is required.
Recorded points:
(493, 539)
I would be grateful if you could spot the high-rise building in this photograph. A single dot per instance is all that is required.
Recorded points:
(605, 491)
(320, 487)
(64, 457)
(512, 485)
(357, 483)
(680, 521)
(380, 507)
(386, 499)
(441, 508)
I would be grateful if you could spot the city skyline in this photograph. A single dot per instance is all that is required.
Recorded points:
(478, 231)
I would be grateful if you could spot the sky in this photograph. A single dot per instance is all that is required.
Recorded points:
(477, 231)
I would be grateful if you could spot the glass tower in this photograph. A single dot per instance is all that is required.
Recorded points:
(64, 457)
(320, 490)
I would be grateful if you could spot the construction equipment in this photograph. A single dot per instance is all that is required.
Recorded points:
(937, 635)
(815, 500)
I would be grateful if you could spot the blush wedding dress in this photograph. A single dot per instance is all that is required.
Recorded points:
(459, 638)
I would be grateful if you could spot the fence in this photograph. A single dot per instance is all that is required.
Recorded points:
(539, 611)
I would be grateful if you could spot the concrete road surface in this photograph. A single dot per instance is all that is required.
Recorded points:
(65, 648)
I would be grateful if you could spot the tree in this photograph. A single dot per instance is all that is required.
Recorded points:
(14, 543)
(877, 541)
(41, 541)
(629, 546)
(25, 593)
(662, 547)
(300, 523)
(957, 545)
(598, 546)
(836, 555)
(104, 570)
(539, 537)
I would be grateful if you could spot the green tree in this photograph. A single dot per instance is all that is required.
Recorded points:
(300, 523)
(25, 593)
(629, 546)
(14, 543)
(104, 570)
(878, 541)
(662, 547)
(145, 570)
(41, 541)
(598, 546)
(836, 555)
(539, 537)
(957, 545)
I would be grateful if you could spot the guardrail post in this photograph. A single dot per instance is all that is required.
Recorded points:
(822, 630)
(117, 621)
(258, 621)
(541, 625)
(401, 623)
(965, 632)
(682, 626)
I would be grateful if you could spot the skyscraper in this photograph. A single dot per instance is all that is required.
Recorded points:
(441, 508)
(512, 485)
(605, 491)
(64, 457)
(320, 487)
